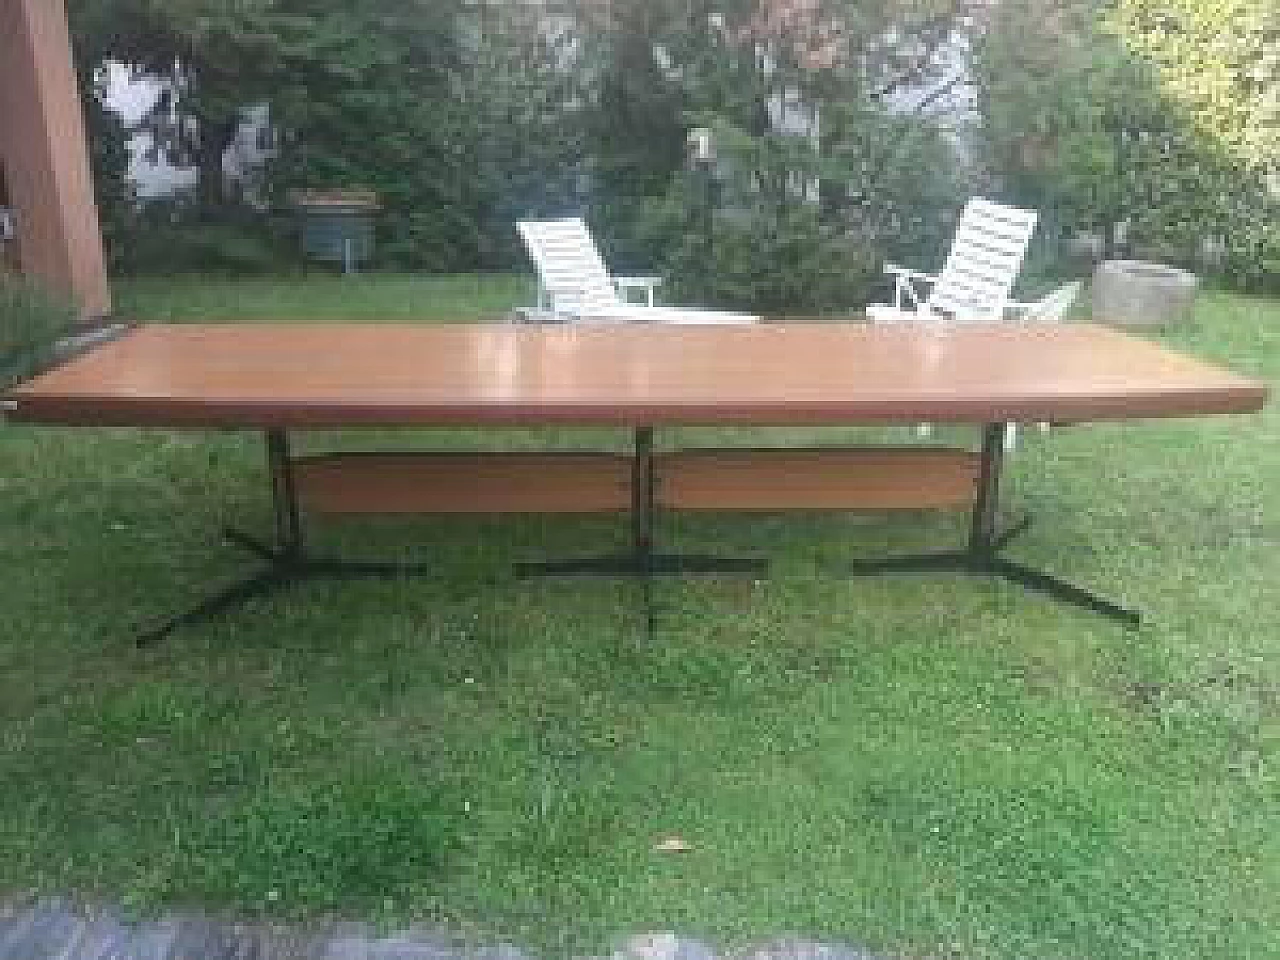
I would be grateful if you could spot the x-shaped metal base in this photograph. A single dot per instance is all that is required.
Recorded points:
(283, 569)
(983, 558)
(289, 563)
(993, 565)
(642, 565)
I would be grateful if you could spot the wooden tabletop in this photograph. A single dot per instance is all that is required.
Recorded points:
(334, 375)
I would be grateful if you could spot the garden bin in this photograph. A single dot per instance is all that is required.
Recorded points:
(337, 225)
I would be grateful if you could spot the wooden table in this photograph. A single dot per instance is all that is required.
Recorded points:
(285, 378)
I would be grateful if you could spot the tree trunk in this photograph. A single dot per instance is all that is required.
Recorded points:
(216, 138)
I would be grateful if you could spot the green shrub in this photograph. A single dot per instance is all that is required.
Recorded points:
(1160, 116)
(1253, 256)
(790, 226)
(771, 261)
(31, 322)
(174, 236)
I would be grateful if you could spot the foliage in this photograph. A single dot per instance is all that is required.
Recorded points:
(524, 144)
(633, 117)
(513, 110)
(1252, 255)
(767, 233)
(1101, 116)
(1219, 65)
(1218, 62)
(31, 321)
(1053, 119)
(466, 115)
(370, 101)
(215, 58)
(818, 178)
(109, 160)
(451, 111)
(174, 236)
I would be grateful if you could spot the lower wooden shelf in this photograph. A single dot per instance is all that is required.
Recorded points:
(447, 482)
(832, 478)
(822, 478)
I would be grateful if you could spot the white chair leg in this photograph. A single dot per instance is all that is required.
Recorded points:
(1010, 436)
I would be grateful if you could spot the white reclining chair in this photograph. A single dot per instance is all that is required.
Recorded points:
(574, 284)
(1050, 308)
(976, 279)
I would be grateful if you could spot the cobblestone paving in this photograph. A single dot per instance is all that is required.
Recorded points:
(53, 929)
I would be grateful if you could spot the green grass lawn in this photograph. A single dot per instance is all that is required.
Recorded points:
(934, 766)
(324, 296)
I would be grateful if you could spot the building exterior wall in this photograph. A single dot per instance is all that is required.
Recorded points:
(44, 156)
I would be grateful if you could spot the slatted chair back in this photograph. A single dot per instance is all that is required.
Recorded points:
(986, 255)
(572, 274)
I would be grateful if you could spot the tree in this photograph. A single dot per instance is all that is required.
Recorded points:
(108, 142)
(1218, 62)
(1158, 117)
(526, 142)
(215, 57)
(366, 98)
(447, 108)
(1066, 113)
(467, 114)
(454, 113)
(818, 176)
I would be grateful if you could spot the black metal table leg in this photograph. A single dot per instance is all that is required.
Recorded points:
(287, 560)
(271, 578)
(641, 560)
(986, 507)
(982, 556)
(1011, 532)
(1048, 584)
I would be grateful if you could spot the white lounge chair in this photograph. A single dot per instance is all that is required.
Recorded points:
(977, 277)
(575, 285)
(1050, 308)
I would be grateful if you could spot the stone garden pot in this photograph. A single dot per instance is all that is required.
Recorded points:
(1138, 293)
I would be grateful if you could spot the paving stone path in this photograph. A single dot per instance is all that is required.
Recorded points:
(54, 929)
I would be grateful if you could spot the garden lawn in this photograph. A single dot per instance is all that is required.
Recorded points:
(932, 766)
(322, 295)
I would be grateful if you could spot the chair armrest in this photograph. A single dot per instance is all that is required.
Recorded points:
(638, 281)
(908, 274)
(647, 284)
(905, 295)
(1050, 309)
